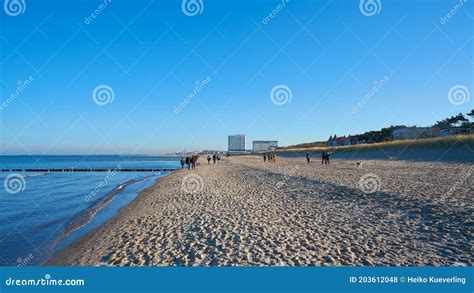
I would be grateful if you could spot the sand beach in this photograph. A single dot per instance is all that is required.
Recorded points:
(244, 212)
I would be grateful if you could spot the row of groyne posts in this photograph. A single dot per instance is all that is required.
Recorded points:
(90, 170)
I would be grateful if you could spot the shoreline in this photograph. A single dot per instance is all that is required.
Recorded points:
(265, 223)
(87, 235)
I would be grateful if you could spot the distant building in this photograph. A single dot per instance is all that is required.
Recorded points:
(332, 141)
(342, 140)
(264, 145)
(416, 132)
(351, 140)
(426, 132)
(237, 143)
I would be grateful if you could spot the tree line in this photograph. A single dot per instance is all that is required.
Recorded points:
(385, 134)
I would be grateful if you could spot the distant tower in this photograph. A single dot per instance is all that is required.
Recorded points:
(236, 142)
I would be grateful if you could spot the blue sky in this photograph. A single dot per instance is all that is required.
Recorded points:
(151, 54)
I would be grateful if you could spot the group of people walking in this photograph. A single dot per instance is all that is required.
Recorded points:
(271, 157)
(190, 162)
(215, 157)
(324, 157)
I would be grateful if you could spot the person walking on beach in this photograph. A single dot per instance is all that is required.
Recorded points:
(323, 157)
(264, 157)
(214, 157)
(218, 158)
(182, 162)
(308, 158)
(188, 162)
(193, 162)
(208, 159)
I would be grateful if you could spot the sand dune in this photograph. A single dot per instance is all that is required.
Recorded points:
(246, 212)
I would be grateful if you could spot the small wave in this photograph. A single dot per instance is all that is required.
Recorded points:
(35, 174)
(85, 217)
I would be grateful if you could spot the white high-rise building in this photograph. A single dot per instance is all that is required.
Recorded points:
(264, 145)
(237, 142)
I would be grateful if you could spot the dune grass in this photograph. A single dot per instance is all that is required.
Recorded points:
(422, 143)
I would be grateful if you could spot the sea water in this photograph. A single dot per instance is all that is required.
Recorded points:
(41, 212)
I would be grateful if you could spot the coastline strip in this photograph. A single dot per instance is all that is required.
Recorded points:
(242, 212)
(91, 170)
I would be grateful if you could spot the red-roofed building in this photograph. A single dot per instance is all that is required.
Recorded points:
(342, 140)
(332, 141)
(351, 140)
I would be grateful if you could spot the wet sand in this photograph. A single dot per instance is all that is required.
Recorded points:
(243, 212)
